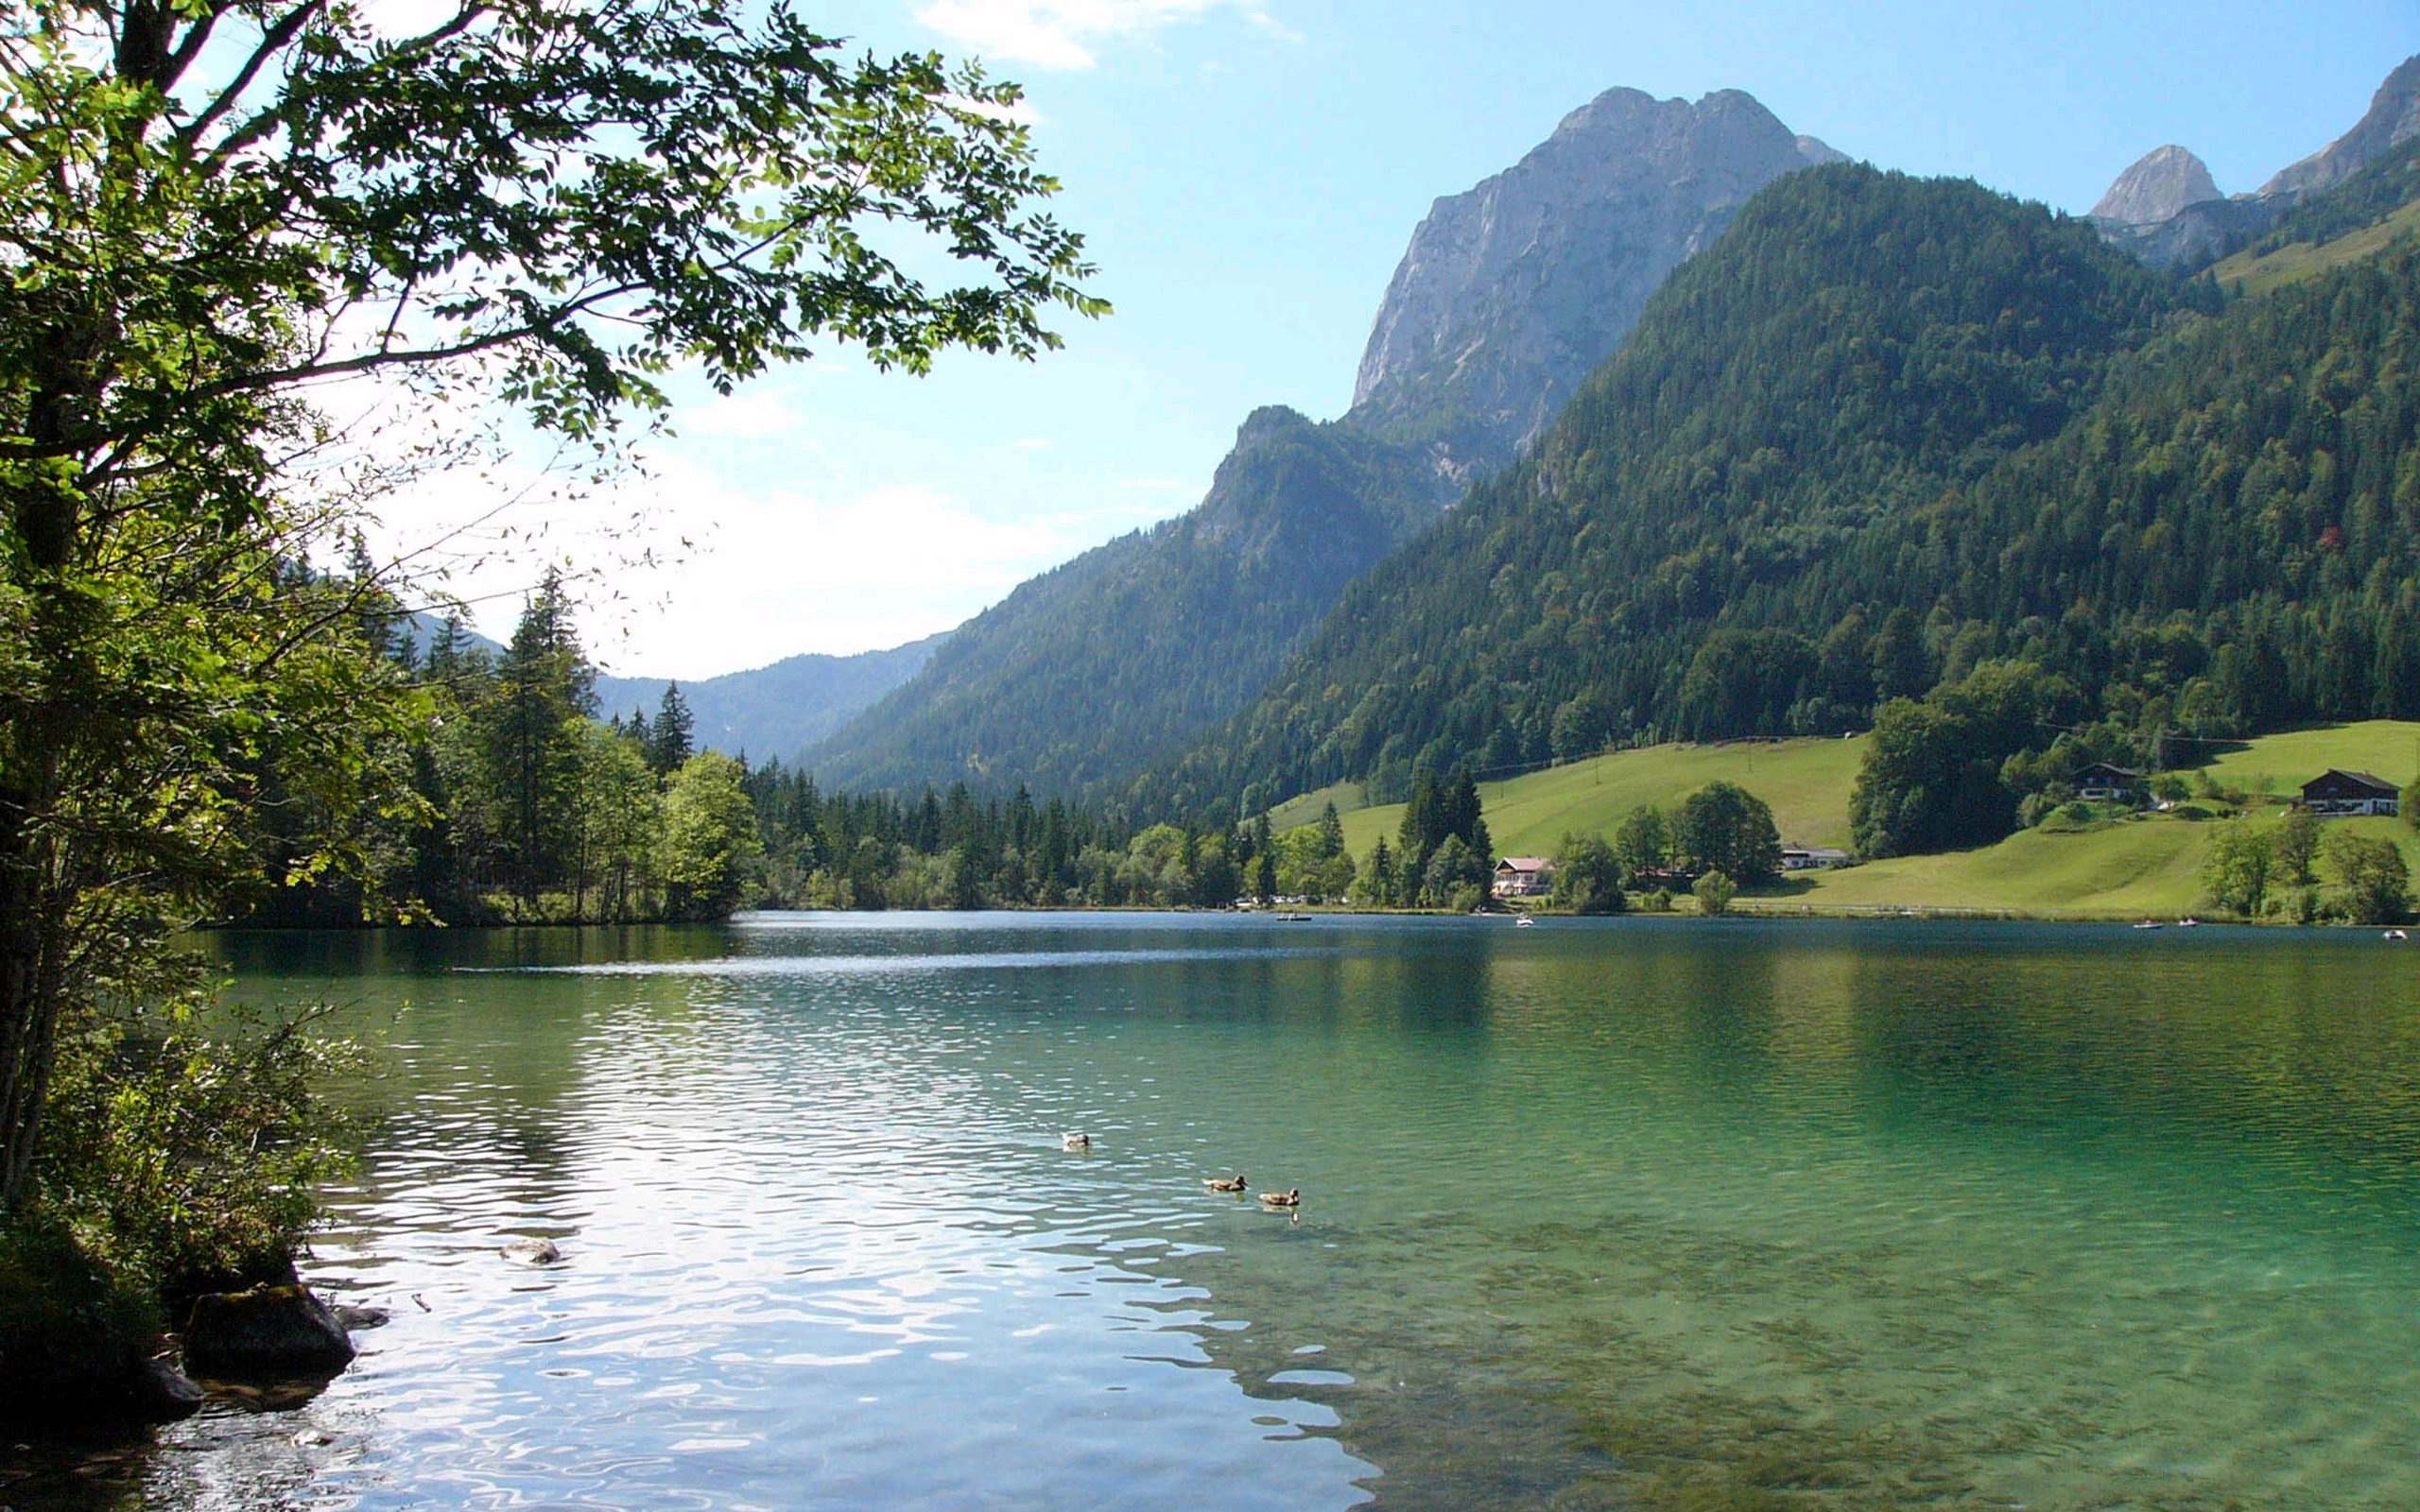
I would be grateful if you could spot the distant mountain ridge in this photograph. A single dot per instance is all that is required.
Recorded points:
(2200, 231)
(1508, 294)
(776, 710)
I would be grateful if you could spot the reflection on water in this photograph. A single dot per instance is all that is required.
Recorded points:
(1651, 1214)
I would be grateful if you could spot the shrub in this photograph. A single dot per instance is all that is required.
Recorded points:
(1658, 901)
(1714, 893)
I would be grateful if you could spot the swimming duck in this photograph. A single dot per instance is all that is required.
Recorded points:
(1284, 1199)
(1225, 1183)
(1075, 1142)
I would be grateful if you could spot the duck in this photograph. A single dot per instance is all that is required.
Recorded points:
(1284, 1199)
(1225, 1183)
(1075, 1142)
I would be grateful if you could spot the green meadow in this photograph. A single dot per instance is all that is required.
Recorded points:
(2145, 865)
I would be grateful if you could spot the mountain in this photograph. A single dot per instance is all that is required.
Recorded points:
(2161, 183)
(2199, 231)
(1506, 296)
(1886, 430)
(1513, 291)
(776, 710)
(1118, 657)
(2393, 119)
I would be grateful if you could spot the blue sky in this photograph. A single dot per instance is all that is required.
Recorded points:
(1247, 172)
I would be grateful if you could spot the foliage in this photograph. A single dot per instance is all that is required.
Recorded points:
(1724, 828)
(2236, 868)
(1643, 840)
(2296, 843)
(1713, 892)
(1588, 876)
(710, 839)
(1937, 772)
(2373, 883)
(216, 214)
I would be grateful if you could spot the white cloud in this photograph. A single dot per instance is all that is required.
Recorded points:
(773, 572)
(1032, 444)
(751, 413)
(1064, 33)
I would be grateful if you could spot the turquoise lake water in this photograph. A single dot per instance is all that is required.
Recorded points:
(1673, 1215)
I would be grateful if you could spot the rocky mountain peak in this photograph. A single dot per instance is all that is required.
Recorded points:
(2161, 183)
(1515, 290)
(2393, 118)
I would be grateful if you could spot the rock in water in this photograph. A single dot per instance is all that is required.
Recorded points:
(270, 1333)
(533, 1252)
(2162, 182)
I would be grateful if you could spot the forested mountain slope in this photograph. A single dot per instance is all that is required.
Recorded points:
(1508, 296)
(1099, 666)
(1886, 429)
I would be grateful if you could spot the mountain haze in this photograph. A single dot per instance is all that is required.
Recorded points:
(1508, 296)
(775, 710)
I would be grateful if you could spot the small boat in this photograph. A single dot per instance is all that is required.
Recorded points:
(1526, 922)
(1075, 1142)
(1294, 919)
(2395, 934)
(2189, 923)
(2151, 923)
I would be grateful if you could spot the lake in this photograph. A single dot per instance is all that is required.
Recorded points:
(1664, 1214)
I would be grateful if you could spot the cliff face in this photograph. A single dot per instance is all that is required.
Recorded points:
(2163, 181)
(1515, 290)
(2393, 119)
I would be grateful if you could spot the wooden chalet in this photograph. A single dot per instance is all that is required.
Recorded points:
(2339, 794)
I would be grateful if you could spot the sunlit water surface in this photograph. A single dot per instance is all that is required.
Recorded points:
(1651, 1214)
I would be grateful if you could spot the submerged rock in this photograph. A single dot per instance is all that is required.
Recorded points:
(533, 1252)
(269, 1332)
(357, 1318)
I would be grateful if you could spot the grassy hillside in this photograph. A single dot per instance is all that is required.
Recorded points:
(2247, 274)
(2135, 867)
(2281, 763)
(1807, 782)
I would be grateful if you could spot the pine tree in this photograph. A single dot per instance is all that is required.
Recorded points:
(669, 746)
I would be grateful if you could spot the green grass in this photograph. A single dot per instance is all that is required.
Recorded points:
(2254, 276)
(1807, 782)
(2145, 868)
(2114, 869)
(1306, 808)
(2281, 763)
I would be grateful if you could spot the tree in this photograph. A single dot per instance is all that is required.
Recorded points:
(1264, 876)
(2236, 869)
(709, 837)
(2372, 881)
(1724, 828)
(1713, 892)
(214, 210)
(1379, 879)
(669, 738)
(1644, 839)
(1330, 833)
(532, 749)
(1588, 876)
(1454, 868)
(2296, 843)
